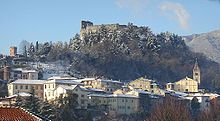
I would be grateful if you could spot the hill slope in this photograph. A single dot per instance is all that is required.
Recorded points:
(206, 43)
(130, 52)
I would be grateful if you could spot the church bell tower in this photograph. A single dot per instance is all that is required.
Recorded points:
(196, 72)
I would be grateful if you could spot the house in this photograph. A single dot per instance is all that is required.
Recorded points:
(147, 85)
(203, 98)
(19, 73)
(184, 85)
(52, 83)
(141, 83)
(115, 103)
(81, 92)
(10, 100)
(17, 114)
(24, 85)
(106, 85)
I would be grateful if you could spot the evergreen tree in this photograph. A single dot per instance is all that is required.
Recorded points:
(68, 106)
(195, 106)
(32, 103)
(18, 101)
(47, 111)
(37, 46)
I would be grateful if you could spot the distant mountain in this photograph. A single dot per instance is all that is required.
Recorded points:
(206, 43)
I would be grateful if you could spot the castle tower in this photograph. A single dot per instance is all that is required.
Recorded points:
(6, 73)
(196, 72)
(13, 51)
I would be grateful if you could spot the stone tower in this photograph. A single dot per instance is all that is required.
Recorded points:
(196, 72)
(13, 51)
(6, 73)
(85, 24)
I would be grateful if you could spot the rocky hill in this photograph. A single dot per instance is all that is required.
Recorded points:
(131, 52)
(206, 43)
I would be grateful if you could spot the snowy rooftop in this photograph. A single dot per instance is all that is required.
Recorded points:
(114, 95)
(29, 71)
(202, 95)
(88, 79)
(66, 87)
(93, 89)
(64, 77)
(113, 81)
(22, 94)
(60, 81)
(24, 70)
(25, 81)
(176, 93)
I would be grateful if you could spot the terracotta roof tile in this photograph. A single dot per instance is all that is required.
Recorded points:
(16, 114)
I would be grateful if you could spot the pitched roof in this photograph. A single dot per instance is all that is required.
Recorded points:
(17, 114)
(25, 81)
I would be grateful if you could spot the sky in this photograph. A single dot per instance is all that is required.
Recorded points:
(59, 20)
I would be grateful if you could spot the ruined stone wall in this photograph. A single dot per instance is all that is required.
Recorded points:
(90, 28)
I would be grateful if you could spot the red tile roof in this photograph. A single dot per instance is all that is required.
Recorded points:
(16, 114)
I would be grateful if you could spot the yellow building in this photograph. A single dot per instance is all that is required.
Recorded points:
(141, 83)
(184, 85)
(106, 85)
(115, 103)
(147, 85)
(26, 86)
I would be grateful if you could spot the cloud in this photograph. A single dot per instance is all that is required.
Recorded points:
(176, 11)
(135, 6)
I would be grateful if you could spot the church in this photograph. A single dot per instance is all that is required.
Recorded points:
(187, 84)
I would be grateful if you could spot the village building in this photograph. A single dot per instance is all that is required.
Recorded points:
(106, 85)
(27, 86)
(115, 103)
(52, 83)
(184, 85)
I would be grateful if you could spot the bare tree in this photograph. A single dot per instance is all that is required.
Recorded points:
(170, 109)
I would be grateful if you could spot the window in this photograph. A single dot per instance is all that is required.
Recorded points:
(76, 89)
(48, 94)
(16, 87)
(82, 96)
(21, 87)
(26, 87)
(49, 86)
(45, 86)
(128, 107)
(122, 100)
(132, 101)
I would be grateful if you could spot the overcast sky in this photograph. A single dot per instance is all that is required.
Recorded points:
(59, 20)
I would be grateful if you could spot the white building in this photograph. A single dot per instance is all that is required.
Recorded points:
(81, 92)
(203, 98)
(26, 86)
(52, 83)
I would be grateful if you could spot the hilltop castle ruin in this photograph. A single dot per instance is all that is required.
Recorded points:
(87, 27)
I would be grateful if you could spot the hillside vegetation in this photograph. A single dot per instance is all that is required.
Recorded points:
(129, 53)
